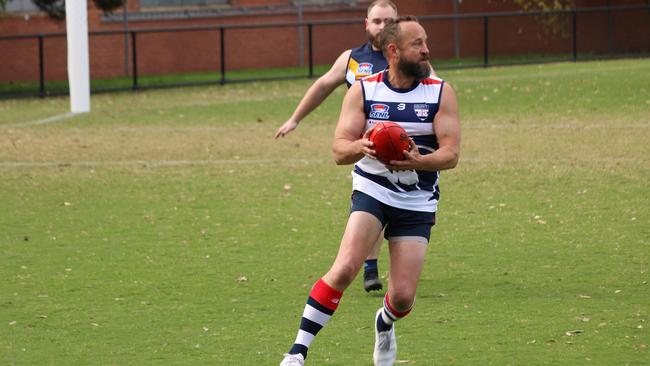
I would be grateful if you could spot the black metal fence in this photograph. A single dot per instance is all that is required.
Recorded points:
(570, 21)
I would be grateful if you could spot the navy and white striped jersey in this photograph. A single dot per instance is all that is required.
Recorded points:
(364, 61)
(414, 109)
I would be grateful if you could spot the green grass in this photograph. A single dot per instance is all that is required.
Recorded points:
(168, 227)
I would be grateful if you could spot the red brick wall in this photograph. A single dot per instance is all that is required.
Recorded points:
(177, 52)
(257, 2)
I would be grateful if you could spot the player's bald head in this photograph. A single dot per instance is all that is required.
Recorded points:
(382, 4)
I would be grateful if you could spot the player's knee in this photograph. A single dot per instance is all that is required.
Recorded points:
(344, 273)
(402, 299)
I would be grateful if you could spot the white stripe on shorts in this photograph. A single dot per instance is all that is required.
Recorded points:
(419, 239)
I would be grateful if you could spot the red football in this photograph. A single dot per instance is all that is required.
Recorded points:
(390, 141)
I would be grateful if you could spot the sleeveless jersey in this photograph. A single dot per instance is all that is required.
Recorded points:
(364, 61)
(414, 109)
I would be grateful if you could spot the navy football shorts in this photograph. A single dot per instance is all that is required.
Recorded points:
(396, 221)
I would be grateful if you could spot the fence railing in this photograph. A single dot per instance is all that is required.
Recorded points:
(486, 60)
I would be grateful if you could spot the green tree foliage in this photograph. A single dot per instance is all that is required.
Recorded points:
(555, 24)
(108, 6)
(56, 8)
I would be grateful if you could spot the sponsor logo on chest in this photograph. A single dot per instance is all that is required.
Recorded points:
(364, 69)
(379, 111)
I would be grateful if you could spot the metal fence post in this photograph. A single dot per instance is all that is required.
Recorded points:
(222, 37)
(574, 15)
(134, 55)
(39, 87)
(610, 36)
(311, 53)
(485, 41)
(41, 66)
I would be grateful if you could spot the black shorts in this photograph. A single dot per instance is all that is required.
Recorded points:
(396, 221)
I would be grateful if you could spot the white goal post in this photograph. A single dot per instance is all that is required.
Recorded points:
(76, 15)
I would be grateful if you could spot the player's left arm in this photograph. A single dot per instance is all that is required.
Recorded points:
(446, 126)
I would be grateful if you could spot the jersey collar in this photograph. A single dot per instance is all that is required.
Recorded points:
(398, 90)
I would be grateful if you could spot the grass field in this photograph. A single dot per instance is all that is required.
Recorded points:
(167, 227)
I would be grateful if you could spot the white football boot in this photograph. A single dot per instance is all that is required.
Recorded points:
(293, 360)
(385, 345)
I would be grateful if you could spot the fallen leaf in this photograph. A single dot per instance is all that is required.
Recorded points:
(574, 332)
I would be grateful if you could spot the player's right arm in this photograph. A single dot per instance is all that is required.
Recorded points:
(350, 142)
(316, 94)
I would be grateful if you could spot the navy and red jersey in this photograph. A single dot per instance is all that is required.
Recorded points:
(364, 61)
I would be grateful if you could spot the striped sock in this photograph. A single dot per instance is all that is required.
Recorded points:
(389, 315)
(321, 304)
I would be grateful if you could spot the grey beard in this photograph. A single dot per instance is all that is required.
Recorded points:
(415, 70)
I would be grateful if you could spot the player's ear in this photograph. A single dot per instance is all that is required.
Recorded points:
(392, 49)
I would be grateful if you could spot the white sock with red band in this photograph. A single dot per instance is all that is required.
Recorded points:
(389, 315)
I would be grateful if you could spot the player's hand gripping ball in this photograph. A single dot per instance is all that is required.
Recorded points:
(390, 141)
